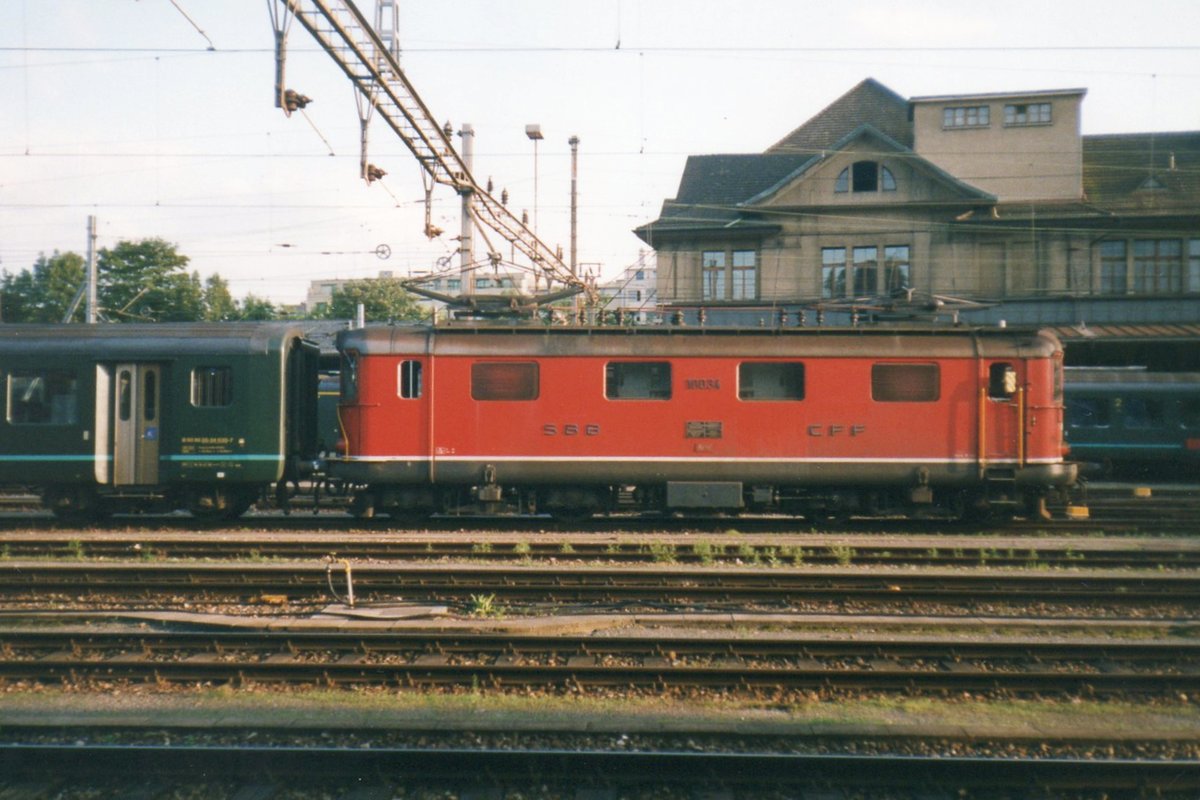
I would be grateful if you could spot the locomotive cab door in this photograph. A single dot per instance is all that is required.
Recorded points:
(1001, 412)
(135, 411)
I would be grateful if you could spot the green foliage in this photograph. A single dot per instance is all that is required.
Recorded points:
(217, 303)
(258, 308)
(43, 293)
(384, 300)
(147, 281)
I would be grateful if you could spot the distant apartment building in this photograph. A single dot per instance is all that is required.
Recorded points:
(634, 292)
(320, 292)
(995, 197)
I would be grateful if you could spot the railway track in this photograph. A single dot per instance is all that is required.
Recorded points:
(742, 549)
(36, 583)
(304, 772)
(766, 664)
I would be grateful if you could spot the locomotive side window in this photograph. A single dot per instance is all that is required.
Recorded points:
(1002, 381)
(905, 383)
(212, 387)
(770, 381)
(637, 380)
(42, 398)
(1087, 412)
(409, 380)
(504, 380)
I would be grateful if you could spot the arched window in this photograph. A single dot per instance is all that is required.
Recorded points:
(865, 176)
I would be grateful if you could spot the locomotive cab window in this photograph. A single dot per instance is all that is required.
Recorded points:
(770, 381)
(905, 383)
(504, 380)
(408, 380)
(349, 377)
(212, 387)
(637, 380)
(42, 398)
(1002, 381)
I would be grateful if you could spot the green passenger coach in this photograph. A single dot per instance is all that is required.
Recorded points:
(109, 418)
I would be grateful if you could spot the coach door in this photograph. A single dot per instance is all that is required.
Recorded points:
(136, 408)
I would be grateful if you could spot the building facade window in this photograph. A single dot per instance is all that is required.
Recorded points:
(1193, 270)
(729, 275)
(1113, 267)
(866, 270)
(712, 277)
(833, 272)
(865, 176)
(745, 275)
(1157, 265)
(966, 117)
(862, 275)
(897, 268)
(1027, 114)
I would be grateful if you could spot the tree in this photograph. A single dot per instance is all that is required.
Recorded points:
(258, 308)
(384, 299)
(45, 292)
(218, 304)
(146, 282)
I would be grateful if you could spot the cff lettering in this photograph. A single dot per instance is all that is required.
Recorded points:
(836, 430)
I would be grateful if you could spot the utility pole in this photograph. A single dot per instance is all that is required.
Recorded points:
(92, 311)
(466, 244)
(574, 142)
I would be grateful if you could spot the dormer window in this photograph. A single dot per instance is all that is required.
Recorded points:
(865, 176)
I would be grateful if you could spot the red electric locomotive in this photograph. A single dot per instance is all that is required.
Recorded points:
(809, 421)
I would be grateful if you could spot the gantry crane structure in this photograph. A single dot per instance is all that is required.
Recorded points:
(373, 67)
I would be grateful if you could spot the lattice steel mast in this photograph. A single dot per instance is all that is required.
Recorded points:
(370, 63)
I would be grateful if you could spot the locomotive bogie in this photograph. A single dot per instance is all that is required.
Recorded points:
(570, 421)
(117, 418)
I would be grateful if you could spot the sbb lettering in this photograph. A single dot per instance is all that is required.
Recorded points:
(571, 429)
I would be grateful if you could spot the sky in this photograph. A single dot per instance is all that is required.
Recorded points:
(120, 109)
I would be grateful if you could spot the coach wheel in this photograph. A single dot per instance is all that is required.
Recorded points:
(74, 504)
(220, 502)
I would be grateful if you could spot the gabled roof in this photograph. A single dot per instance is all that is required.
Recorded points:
(870, 102)
(884, 143)
(719, 190)
(1134, 170)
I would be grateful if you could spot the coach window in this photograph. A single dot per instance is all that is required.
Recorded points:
(42, 398)
(1087, 412)
(905, 383)
(1142, 413)
(409, 379)
(637, 380)
(1002, 381)
(1189, 413)
(212, 387)
(770, 381)
(504, 380)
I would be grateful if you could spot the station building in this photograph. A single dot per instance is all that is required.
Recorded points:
(996, 199)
